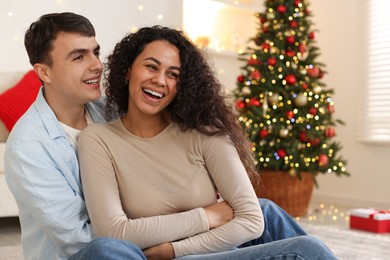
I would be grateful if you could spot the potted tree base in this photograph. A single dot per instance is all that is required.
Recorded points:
(291, 193)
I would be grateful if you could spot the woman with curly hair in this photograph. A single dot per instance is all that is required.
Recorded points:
(176, 147)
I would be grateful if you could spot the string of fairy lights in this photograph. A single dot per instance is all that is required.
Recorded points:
(12, 13)
(327, 214)
(124, 16)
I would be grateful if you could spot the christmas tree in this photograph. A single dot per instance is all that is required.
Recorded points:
(281, 99)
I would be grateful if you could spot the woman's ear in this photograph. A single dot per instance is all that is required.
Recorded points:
(42, 71)
(127, 77)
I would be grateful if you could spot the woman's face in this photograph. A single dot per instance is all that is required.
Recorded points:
(153, 78)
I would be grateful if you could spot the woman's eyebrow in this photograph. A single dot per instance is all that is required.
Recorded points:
(159, 63)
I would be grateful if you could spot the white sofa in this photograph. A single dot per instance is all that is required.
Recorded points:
(8, 207)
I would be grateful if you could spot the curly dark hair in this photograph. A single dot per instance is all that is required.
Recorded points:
(200, 102)
(39, 38)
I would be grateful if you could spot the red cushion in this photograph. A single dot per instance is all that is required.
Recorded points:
(15, 101)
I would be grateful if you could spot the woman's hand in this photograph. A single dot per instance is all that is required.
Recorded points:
(160, 252)
(218, 214)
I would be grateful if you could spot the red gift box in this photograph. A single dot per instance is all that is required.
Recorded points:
(370, 220)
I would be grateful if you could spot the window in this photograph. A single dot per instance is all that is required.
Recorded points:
(375, 126)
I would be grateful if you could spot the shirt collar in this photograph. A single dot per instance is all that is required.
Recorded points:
(50, 121)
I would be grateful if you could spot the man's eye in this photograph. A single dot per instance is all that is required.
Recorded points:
(97, 54)
(78, 57)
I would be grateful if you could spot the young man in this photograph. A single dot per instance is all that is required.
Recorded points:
(41, 165)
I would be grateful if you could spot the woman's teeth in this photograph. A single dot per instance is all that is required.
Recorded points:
(153, 93)
(92, 81)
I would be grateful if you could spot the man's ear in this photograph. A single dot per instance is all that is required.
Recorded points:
(42, 71)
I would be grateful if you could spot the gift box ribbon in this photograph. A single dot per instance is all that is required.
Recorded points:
(371, 216)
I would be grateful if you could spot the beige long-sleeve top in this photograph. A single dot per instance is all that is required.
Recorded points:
(152, 190)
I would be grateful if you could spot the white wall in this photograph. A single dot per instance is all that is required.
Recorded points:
(340, 40)
(112, 19)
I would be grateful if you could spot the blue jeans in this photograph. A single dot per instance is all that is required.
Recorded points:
(278, 224)
(109, 249)
(282, 238)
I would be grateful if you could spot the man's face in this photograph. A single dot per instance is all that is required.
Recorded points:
(74, 77)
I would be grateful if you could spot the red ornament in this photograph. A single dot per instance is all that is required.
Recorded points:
(240, 79)
(290, 39)
(252, 61)
(330, 131)
(313, 72)
(311, 35)
(293, 24)
(265, 29)
(307, 11)
(281, 9)
(290, 79)
(282, 153)
(240, 104)
(263, 133)
(256, 75)
(302, 48)
(290, 53)
(297, 2)
(304, 85)
(312, 111)
(302, 136)
(271, 61)
(330, 108)
(289, 114)
(266, 46)
(321, 74)
(262, 19)
(254, 102)
(323, 160)
(314, 142)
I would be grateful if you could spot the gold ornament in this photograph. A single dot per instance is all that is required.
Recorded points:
(283, 132)
(265, 104)
(270, 16)
(246, 91)
(317, 90)
(300, 100)
(273, 99)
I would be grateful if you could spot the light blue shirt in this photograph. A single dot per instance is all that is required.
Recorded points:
(42, 172)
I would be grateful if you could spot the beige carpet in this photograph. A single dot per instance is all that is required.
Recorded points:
(11, 253)
(345, 243)
(349, 244)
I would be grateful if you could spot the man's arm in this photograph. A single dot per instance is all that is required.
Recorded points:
(42, 178)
